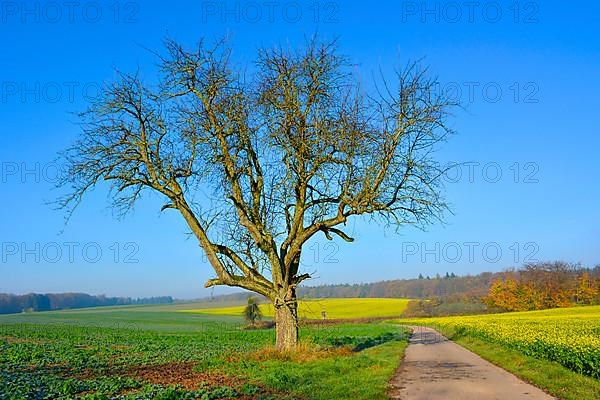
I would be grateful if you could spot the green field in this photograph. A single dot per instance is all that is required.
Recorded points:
(158, 352)
(200, 351)
(334, 308)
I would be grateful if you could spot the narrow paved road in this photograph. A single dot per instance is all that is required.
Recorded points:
(435, 368)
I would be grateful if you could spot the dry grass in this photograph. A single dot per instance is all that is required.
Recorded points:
(259, 325)
(304, 352)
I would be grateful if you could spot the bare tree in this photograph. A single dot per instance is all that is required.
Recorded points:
(259, 165)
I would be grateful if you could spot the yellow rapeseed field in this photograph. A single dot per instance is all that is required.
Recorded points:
(334, 308)
(570, 336)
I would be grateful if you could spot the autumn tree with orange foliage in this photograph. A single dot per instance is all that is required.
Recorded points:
(544, 285)
(588, 289)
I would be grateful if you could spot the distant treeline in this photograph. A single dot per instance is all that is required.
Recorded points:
(421, 288)
(424, 287)
(532, 286)
(11, 303)
(545, 285)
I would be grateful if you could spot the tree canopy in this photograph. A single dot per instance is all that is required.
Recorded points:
(258, 164)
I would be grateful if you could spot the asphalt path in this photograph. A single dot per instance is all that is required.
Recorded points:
(435, 368)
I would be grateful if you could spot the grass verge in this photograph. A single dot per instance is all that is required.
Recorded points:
(361, 375)
(549, 376)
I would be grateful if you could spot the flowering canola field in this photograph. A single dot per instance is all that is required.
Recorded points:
(569, 336)
(333, 308)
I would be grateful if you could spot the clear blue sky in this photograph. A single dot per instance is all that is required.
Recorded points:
(527, 72)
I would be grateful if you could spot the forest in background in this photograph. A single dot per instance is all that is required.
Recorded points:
(532, 287)
(11, 303)
(545, 285)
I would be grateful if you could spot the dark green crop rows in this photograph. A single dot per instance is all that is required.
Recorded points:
(94, 355)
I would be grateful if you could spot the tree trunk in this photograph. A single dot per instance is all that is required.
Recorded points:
(286, 320)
